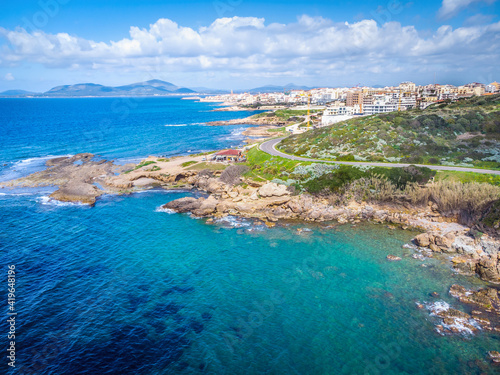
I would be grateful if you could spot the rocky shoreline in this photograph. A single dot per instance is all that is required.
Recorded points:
(472, 253)
(83, 178)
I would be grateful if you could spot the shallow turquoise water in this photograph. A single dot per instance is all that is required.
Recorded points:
(123, 286)
(126, 288)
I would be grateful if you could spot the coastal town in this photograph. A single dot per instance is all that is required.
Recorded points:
(340, 104)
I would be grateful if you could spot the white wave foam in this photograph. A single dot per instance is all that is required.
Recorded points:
(26, 162)
(16, 194)
(234, 222)
(165, 210)
(175, 125)
(462, 325)
(437, 307)
(47, 201)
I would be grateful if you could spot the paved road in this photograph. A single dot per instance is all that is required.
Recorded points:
(270, 148)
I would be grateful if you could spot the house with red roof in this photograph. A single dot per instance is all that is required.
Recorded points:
(228, 155)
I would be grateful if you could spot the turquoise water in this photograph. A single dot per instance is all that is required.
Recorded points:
(126, 288)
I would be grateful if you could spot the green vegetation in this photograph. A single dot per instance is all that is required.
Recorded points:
(210, 166)
(467, 195)
(155, 168)
(468, 177)
(163, 160)
(277, 130)
(463, 133)
(188, 163)
(287, 115)
(140, 165)
(266, 167)
(342, 175)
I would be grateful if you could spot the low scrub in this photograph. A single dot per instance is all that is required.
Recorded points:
(453, 197)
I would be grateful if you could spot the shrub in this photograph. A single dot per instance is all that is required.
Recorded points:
(348, 157)
(334, 181)
(453, 197)
(414, 159)
(372, 188)
(402, 176)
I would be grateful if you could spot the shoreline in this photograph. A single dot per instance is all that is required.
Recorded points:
(216, 197)
(82, 178)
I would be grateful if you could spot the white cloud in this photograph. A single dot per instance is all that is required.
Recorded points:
(311, 46)
(9, 77)
(450, 8)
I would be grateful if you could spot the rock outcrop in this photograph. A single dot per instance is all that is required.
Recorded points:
(475, 255)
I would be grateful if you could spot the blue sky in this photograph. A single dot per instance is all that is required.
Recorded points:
(244, 43)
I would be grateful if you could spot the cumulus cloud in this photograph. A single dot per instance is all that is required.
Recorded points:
(9, 77)
(311, 46)
(450, 8)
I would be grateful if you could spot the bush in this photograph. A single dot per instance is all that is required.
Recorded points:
(402, 176)
(414, 159)
(232, 174)
(334, 181)
(453, 197)
(348, 157)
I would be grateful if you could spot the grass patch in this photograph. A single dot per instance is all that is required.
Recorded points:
(468, 177)
(140, 165)
(263, 165)
(188, 163)
(210, 166)
(163, 160)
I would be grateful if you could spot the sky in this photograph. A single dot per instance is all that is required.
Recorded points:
(240, 44)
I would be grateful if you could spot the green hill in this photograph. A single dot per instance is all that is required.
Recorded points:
(462, 133)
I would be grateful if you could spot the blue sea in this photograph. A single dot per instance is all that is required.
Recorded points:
(127, 288)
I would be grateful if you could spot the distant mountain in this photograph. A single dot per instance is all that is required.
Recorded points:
(273, 88)
(17, 93)
(81, 89)
(154, 87)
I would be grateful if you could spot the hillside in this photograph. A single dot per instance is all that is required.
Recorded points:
(462, 133)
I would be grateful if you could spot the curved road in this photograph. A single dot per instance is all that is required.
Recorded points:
(270, 148)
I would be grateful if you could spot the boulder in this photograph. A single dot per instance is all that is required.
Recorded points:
(423, 240)
(272, 189)
(494, 356)
(443, 242)
(78, 192)
(207, 207)
(488, 270)
(187, 204)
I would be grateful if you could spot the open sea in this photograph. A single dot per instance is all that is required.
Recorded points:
(126, 288)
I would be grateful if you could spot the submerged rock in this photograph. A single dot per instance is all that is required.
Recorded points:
(392, 258)
(494, 356)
